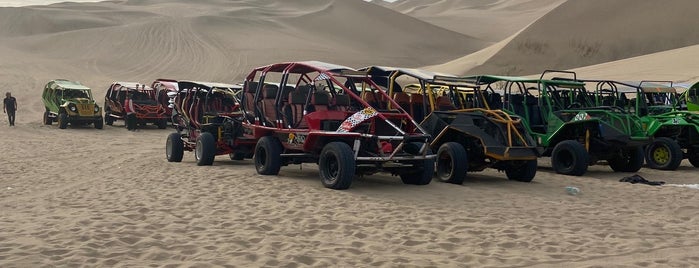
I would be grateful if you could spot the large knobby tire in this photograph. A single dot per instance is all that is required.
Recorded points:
(523, 171)
(108, 119)
(570, 158)
(422, 173)
(62, 120)
(337, 166)
(174, 147)
(693, 156)
(47, 119)
(268, 159)
(627, 160)
(99, 124)
(664, 153)
(205, 149)
(452, 163)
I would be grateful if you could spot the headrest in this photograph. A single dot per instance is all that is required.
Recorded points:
(342, 100)
(416, 98)
(286, 91)
(252, 87)
(320, 98)
(298, 96)
(401, 97)
(270, 91)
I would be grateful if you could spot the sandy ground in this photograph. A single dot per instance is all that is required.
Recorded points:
(105, 198)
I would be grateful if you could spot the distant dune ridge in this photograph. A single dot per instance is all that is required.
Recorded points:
(108, 198)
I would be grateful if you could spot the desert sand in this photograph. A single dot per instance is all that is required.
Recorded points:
(106, 198)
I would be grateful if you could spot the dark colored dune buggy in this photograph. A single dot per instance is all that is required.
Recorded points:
(468, 135)
(208, 121)
(145, 103)
(311, 112)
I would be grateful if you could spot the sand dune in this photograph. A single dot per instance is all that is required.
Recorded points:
(109, 198)
(581, 33)
(491, 21)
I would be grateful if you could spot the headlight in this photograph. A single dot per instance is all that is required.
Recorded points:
(72, 108)
(97, 108)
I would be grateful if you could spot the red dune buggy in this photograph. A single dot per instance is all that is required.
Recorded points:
(148, 110)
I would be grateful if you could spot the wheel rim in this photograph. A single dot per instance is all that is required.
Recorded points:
(445, 165)
(661, 154)
(331, 168)
(168, 148)
(198, 150)
(260, 157)
(565, 158)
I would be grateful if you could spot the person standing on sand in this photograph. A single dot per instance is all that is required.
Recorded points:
(9, 107)
(130, 113)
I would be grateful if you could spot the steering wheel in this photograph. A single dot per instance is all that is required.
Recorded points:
(574, 105)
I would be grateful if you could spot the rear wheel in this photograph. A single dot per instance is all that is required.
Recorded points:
(693, 157)
(523, 171)
(452, 163)
(627, 160)
(62, 120)
(268, 158)
(47, 118)
(174, 147)
(421, 173)
(570, 158)
(337, 166)
(162, 124)
(664, 153)
(205, 150)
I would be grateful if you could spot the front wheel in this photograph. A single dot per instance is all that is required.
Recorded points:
(627, 160)
(108, 119)
(523, 171)
(452, 163)
(47, 118)
(268, 159)
(664, 154)
(569, 157)
(337, 165)
(174, 147)
(62, 120)
(205, 150)
(99, 124)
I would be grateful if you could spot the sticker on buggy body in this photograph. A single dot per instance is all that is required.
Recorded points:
(356, 119)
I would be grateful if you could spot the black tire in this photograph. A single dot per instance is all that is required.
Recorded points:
(523, 171)
(452, 163)
(422, 174)
(99, 124)
(627, 160)
(47, 119)
(664, 154)
(62, 120)
(268, 158)
(162, 124)
(693, 157)
(205, 149)
(337, 166)
(237, 156)
(174, 147)
(570, 158)
(108, 119)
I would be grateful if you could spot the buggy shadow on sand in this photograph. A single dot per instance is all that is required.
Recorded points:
(311, 112)
(208, 121)
(468, 135)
